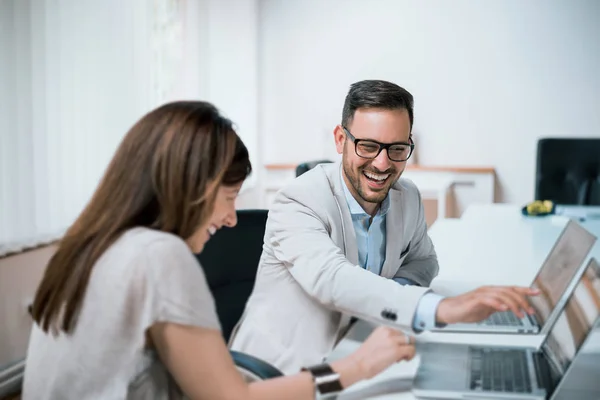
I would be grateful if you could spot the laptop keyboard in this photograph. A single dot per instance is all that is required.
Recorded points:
(499, 370)
(505, 318)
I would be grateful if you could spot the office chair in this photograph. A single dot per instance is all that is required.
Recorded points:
(230, 260)
(252, 368)
(308, 165)
(568, 171)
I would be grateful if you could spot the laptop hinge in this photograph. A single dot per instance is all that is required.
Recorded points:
(547, 375)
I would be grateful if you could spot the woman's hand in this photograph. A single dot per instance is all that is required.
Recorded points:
(384, 347)
(199, 360)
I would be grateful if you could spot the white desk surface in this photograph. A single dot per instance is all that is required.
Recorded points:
(506, 216)
(490, 244)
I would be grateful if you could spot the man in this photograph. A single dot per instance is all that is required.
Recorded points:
(350, 239)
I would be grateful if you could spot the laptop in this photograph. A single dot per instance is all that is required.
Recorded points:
(553, 279)
(454, 371)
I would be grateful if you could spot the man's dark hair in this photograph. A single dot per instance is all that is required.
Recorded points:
(376, 94)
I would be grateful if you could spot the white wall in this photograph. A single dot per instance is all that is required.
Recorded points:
(75, 77)
(15, 98)
(79, 76)
(489, 78)
(231, 68)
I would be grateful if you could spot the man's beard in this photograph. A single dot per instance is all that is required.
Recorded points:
(368, 195)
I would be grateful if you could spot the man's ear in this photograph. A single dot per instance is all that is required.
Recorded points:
(340, 138)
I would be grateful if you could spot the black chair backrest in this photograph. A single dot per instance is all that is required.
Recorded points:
(308, 165)
(230, 260)
(568, 171)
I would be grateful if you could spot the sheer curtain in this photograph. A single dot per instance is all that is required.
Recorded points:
(74, 76)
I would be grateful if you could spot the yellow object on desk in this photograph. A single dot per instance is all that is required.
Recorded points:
(539, 208)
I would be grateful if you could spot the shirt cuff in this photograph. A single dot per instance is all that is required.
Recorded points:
(404, 281)
(426, 309)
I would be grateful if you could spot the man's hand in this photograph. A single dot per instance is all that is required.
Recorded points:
(479, 304)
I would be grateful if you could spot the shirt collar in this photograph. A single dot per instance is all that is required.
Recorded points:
(355, 208)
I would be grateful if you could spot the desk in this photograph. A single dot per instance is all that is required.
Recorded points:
(490, 244)
(505, 216)
(479, 251)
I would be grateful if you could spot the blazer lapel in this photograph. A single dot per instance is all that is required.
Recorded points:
(350, 247)
(393, 231)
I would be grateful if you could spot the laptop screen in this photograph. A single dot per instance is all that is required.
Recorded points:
(576, 319)
(559, 268)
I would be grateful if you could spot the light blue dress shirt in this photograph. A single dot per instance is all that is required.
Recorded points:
(371, 242)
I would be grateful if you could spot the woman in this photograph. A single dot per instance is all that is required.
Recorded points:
(123, 310)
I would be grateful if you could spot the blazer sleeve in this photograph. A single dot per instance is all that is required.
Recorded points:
(421, 263)
(299, 239)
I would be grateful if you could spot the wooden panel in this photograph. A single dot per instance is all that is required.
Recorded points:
(20, 275)
(467, 170)
(430, 206)
(431, 209)
(280, 166)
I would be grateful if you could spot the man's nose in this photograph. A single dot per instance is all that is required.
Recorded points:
(382, 161)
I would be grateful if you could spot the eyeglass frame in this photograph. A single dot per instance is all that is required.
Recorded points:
(382, 146)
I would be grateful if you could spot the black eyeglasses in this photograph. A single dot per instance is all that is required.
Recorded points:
(370, 149)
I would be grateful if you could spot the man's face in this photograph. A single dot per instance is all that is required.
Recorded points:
(370, 179)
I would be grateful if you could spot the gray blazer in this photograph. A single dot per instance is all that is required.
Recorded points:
(309, 283)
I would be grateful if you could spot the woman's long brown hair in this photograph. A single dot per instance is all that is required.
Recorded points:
(164, 175)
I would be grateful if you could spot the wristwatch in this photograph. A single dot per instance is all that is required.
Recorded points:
(327, 381)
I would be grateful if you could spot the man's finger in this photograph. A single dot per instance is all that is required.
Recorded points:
(522, 299)
(519, 300)
(526, 291)
(492, 303)
(507, 300)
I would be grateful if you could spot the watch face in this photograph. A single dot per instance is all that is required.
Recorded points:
(331, 385)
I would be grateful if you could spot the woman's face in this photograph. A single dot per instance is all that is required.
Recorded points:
(223, 215)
